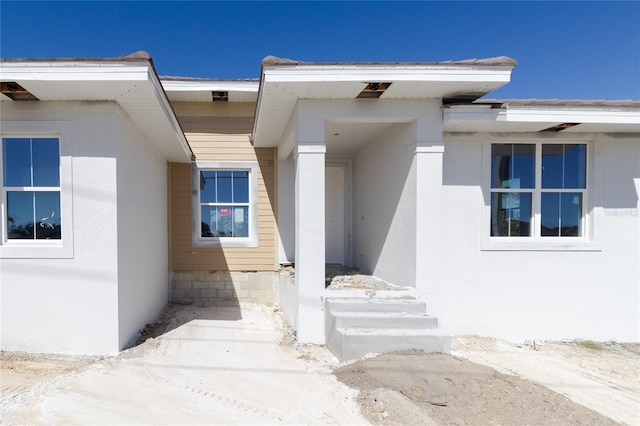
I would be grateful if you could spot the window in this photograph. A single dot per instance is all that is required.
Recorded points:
(31, 189)
(538, 191)
(224, 204)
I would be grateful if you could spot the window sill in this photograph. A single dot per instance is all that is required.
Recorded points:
(226, 242)
(36, 251)
(538, 245)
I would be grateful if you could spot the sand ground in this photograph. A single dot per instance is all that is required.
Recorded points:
(207, 365)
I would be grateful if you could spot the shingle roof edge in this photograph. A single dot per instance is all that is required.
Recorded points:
(140, 55)
(495, 61)
(624, 103)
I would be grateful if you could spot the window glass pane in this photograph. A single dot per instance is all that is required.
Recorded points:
(207, 186)
(208, 221)
(571, 214)
(552, 165)
(224, 187)
(16, 161)
(217, 221)
(564, 166)
(20, 215)
(240, 222)
(575, 166)
(510, 214)
(550, 214)
(48, 215)
(46, 162)
(225, 218)
(225, 221)
(513, 165)
(241, 187)
(561, 214)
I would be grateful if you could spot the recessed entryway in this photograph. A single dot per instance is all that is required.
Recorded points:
(335, 214)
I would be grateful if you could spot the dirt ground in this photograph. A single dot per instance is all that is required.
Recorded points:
(207, 365)
(411, 387)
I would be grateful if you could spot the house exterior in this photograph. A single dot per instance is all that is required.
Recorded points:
(509, 218)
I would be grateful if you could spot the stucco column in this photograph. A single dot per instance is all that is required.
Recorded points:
(430, 209)
(310, 262)
(429, 232)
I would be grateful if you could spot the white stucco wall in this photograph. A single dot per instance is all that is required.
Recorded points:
(543, 294)
(143, 285)
(69, 305)
(115, 280)
(385, 205)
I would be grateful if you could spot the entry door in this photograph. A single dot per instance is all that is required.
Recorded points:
(334, 215)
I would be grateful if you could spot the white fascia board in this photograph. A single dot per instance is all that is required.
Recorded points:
(73, 72)
(205, 86)
(257, 115)
(474, 113)
(548, 115)
(314, 74)
(574, 116)
(165, 105)
(104, 72)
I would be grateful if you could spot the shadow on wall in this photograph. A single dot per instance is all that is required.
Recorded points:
(383, 201)
(620, 160)
(199, 274)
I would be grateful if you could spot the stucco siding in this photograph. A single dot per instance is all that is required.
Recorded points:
(518, 294)
(223, 138)
(143, 286)
(69, 305)
(385, 206)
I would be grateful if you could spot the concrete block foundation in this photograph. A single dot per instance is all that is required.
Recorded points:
(223, 288)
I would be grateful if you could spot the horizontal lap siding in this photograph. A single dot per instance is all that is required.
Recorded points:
(222, 139)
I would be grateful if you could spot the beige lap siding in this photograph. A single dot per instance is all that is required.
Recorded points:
(222, 139)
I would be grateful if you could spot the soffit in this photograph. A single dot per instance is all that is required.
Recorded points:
(133, 85)
(180, 89)
(344, 138)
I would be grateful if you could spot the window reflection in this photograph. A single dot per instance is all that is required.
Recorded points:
(513, 165)
(557, 196)
(564, 166)
(28, 164)
(225, 221)
(33, 215)
(224, 203)
(561, 214)
(510, 214)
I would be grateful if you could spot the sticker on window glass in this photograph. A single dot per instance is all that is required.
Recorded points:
(224, 211)
(239, 215)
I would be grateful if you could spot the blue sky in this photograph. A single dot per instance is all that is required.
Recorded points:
(567, 50)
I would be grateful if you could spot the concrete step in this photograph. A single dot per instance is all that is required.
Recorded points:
(383, 320)
(353, 343)
(408, 306)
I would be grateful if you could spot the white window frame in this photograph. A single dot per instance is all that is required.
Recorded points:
(536, 242)
(196, 229)
(40, 249)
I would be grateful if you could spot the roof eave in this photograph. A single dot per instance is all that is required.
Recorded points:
(541, 117)
(473, 78)
(131, 68)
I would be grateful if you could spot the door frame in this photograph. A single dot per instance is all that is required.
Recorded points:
(347, 238)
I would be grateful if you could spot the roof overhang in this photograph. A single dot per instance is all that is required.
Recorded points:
(538, 116)
(284, 82)
(181, 89)
(131, 81)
